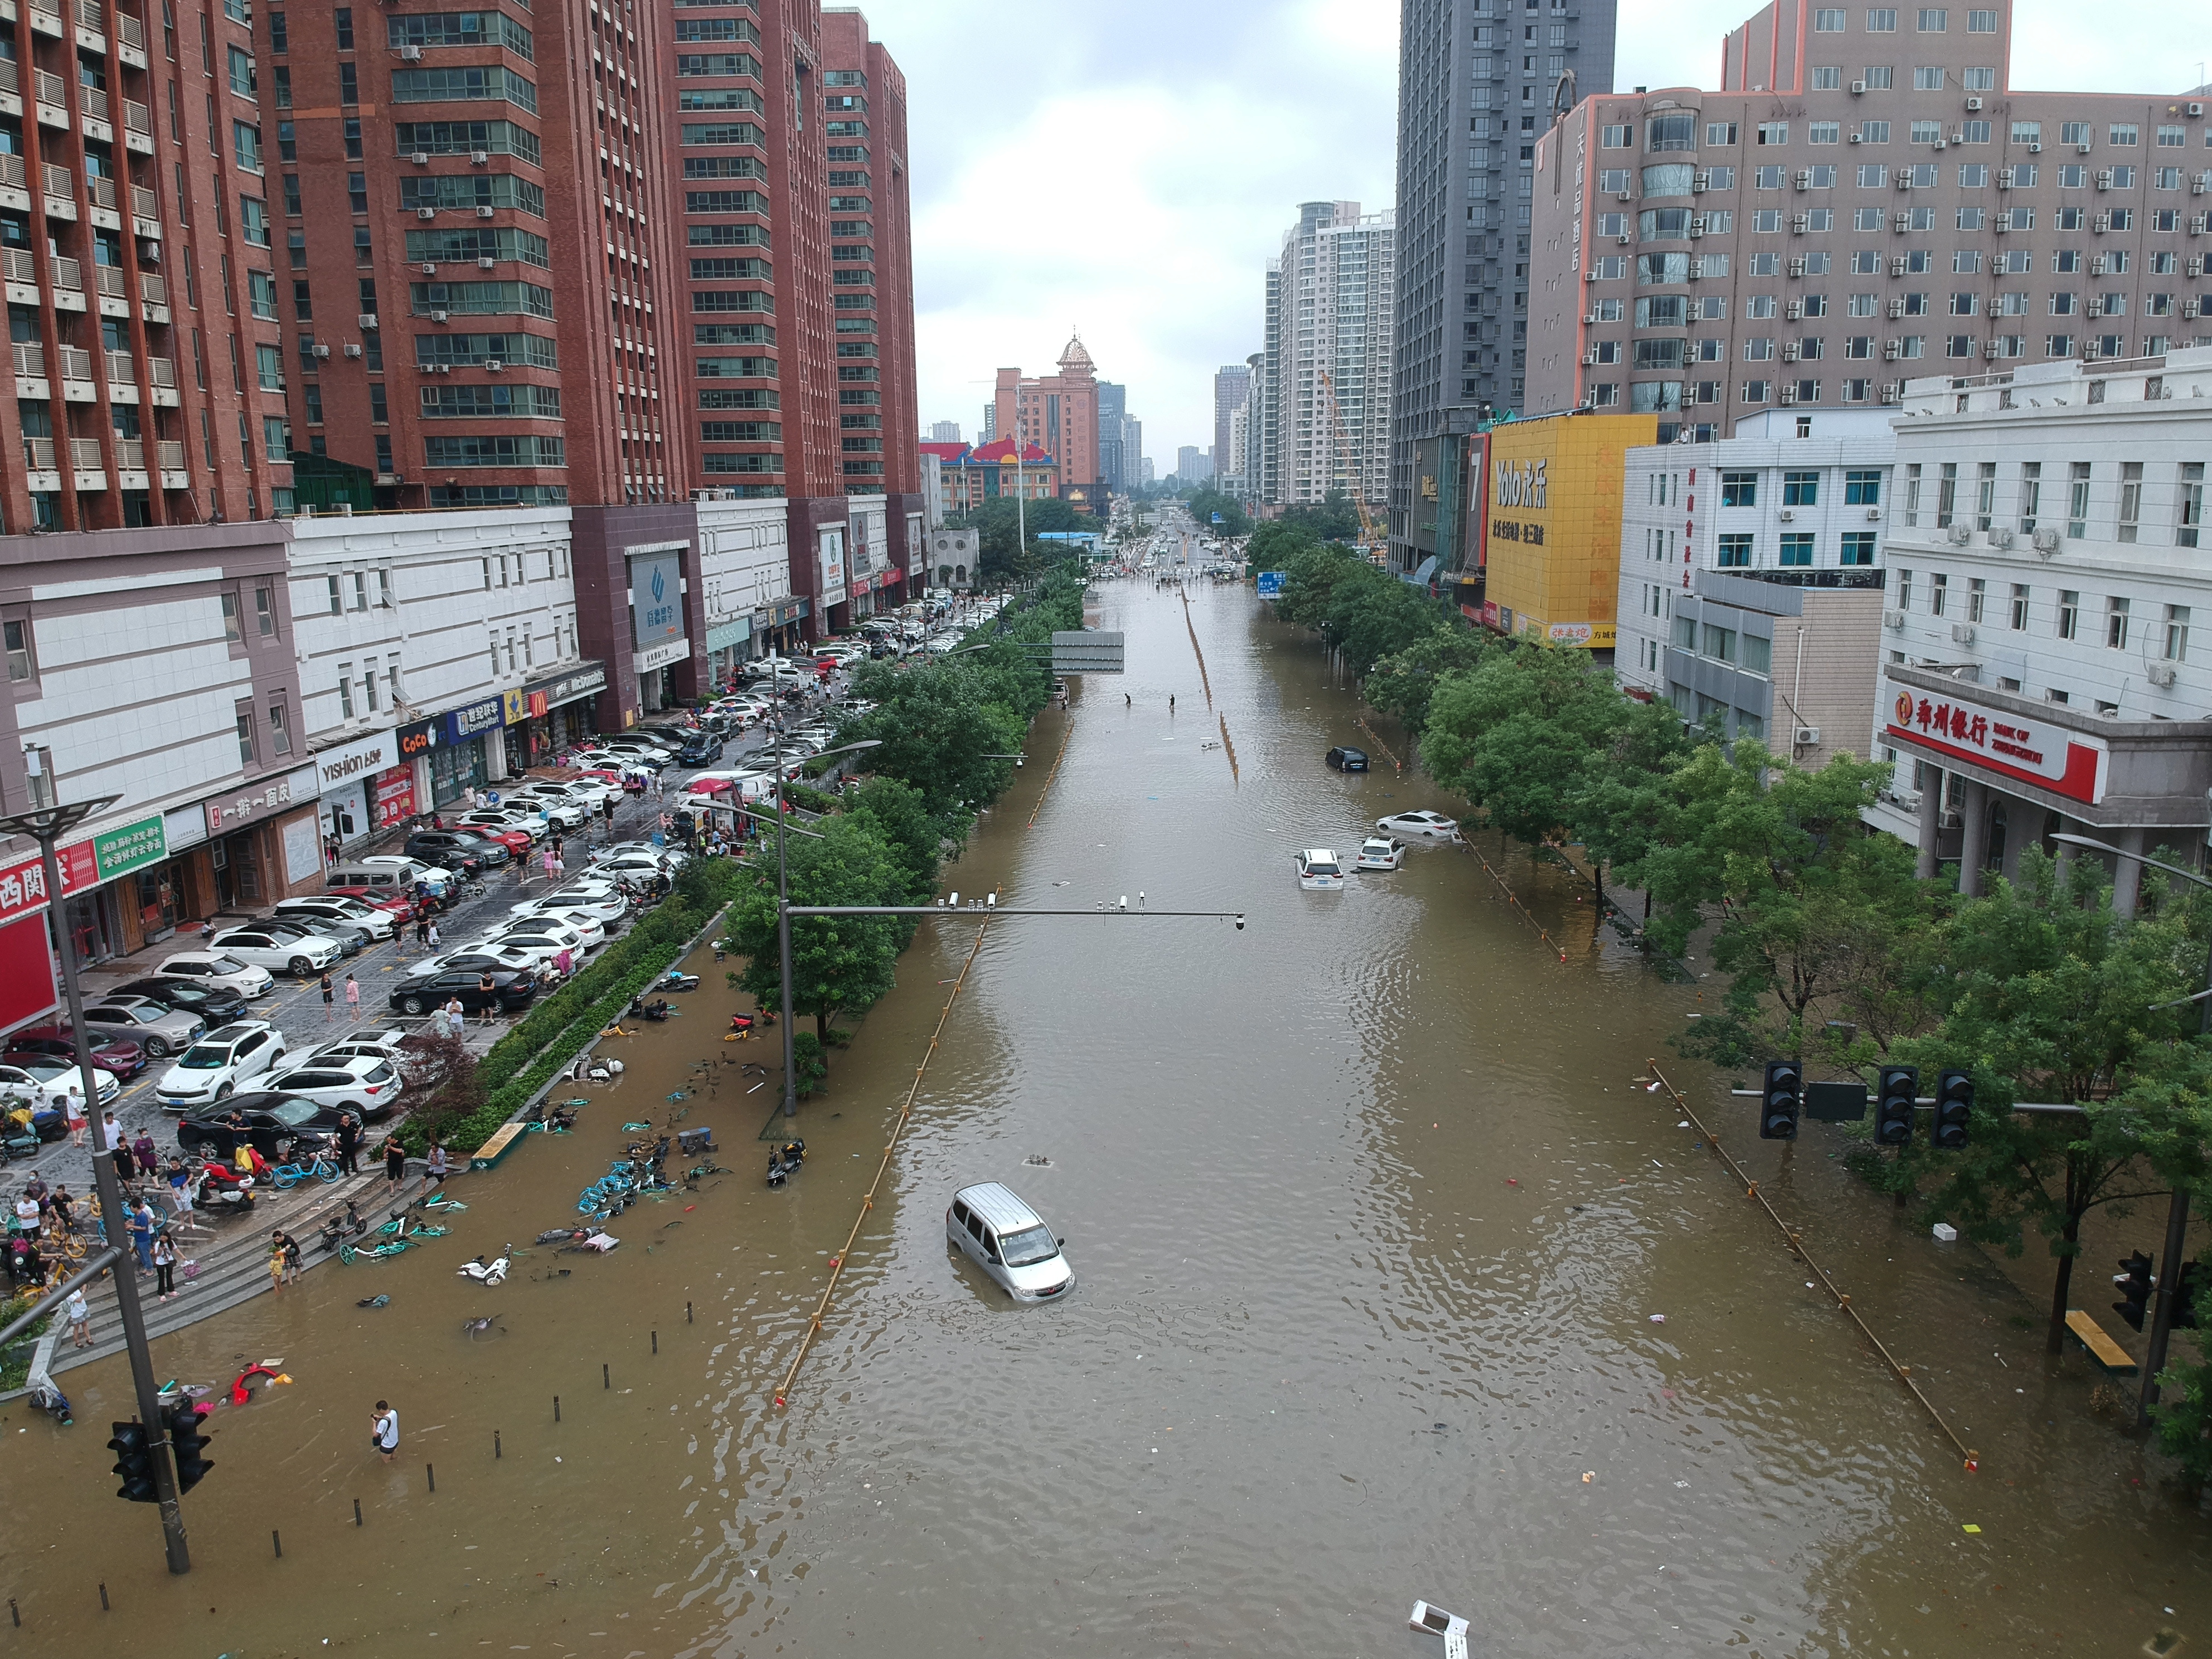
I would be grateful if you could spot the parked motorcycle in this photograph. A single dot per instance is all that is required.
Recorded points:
(488, 1272)
(783, 1161)
(222, 1190)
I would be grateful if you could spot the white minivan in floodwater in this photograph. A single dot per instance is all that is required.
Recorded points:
(1319, 871)
(1009, 1241)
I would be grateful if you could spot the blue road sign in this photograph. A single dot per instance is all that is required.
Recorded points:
(1271, 584)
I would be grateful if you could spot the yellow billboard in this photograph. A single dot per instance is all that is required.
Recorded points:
(1550, 524)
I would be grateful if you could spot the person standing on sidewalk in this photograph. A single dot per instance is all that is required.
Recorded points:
(421, 930)
(140, 1226)
(113, 1145)
(489, 988)
(435, 1174)
(349, 1144)
(456, 1016)
(395, 1164)
(73, 1114)
(353, 998)
(327, 994)
(165, 1267)
(80, 1319)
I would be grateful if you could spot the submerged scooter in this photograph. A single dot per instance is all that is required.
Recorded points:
(488, 1272)
(783, 1161)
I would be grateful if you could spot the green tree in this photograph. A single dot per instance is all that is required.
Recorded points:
(838, 962)
(1206, 502)
(909, 828)
(2046, 994)
(1516, 735)
(1401, 683)
(937, 728)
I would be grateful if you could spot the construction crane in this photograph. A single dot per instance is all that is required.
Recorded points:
(1369, 532)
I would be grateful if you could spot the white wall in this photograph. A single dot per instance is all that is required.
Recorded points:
(744, 557)
(427, 594)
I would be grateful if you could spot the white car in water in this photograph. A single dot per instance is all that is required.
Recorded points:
(1425, 826)
(1380, 853)
(1319, 871)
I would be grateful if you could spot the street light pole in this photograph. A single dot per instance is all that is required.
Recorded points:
(48, 825)
(2177, 1213)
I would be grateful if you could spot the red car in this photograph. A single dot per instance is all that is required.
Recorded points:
(124, 1058)
(381, 897)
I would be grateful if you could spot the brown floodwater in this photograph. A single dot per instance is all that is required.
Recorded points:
(1371, 1223)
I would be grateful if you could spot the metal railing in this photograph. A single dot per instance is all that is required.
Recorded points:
(67, 273)
(109, 281)
(152, 289)
(37, 452)
(144, 202)
(131, 452)
(161, 371)
(122, 369)
(76, 363)
(84, 453)
(130, 31)
(137, 118)
(8, 80)
(53, 89)
(170, 452)
(93, 102)
(30, 359)
(17, 264)
(59, 182)
(100, 192)
(14, 170)
(93, 15)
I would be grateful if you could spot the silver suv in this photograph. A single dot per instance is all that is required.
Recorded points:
(156, 1027)
(1009, 1241)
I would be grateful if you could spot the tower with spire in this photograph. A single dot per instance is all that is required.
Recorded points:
(1058, 413)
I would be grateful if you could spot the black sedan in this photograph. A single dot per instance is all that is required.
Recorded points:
(211, 1003)
(455, 849)
(511, 991)
(275, 1124)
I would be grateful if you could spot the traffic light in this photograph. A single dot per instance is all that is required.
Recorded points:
(2188, 1286)
(1954, 1105)
(1784, 1099)
(1894, 1111)
(133, 1447)
(187, 1443)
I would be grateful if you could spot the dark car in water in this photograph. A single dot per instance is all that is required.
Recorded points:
(1349, 759)
(511, 991)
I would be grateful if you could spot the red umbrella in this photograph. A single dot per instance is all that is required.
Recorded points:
(712, 786)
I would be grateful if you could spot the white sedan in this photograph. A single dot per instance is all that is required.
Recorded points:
(587, 927)
(599, 900)
(47, 1079)
(218, 970)
(556, 935)
(1429, 826)
(299, 956)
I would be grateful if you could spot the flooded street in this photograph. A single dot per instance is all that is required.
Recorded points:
(1371, 1224)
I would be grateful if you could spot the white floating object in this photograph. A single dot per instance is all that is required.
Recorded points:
(1946, 1233)
(1438, 1622)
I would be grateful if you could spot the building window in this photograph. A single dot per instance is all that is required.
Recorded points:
(2069, 613)
(2177, 633)
(2077, 503)
(1739, 489)
(2191, 524)
(2116, 624)
(1862, 488)
(1939, 593)
(1904, 589)
(2030, 495)
(246, 738)
(2131, 498)
(1796, 549)
(1857, 548)
(2020, 606)
(231, 631)
(1801, 490)
(280, 730)
(1946, 496)
(1986, 494)
(1978, 594)
(1736, 552)
(21, 664)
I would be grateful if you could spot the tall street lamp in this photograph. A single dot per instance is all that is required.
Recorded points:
(2177, 1215)
(47, 825)
(783, 909)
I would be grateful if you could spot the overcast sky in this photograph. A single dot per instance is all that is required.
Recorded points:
(1126, 171)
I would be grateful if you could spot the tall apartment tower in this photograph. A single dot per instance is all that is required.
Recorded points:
(445, 184)
(944, 432)
(1330, 294)
(1058, 412)
(872, 259)
(1256, 405)
(1866, 199)
(1478, 82)
(1113, 450)
(1232, 385)
(135, 240)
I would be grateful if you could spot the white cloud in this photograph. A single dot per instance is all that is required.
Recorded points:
(1127, 171)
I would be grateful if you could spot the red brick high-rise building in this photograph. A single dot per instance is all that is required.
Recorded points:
(1059, 411)
(135, 242)
(476, 217)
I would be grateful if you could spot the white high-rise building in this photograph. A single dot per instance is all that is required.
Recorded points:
(1330, 296)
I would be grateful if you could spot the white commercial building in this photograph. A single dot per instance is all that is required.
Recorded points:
(437, 650)
(1331, 297)
(2046, 568)
(744, 563)
(1751, 583)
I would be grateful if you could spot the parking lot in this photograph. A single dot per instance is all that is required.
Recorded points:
(295, 1006)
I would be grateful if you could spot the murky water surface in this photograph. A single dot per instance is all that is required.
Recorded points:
(1372, 1225)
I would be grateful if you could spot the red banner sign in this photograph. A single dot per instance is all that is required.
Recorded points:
(23, 883)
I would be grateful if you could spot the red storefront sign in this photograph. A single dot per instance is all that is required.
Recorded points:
(395, 797)
(2031, 751)
(23, 883)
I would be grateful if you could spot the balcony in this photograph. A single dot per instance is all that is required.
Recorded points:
(14, 183)
(53, 98)
(77, 375)
(39, 454)
(85, 461)
(145, 213)
(61, 191)
(31, 370)
(99, 195)
(138, 126)
(18, 269)
(46, 17)
(161, 374)
(153, 294)
(92, 103)
(11, 88)
(122, 378)
(170, 453)
(68, 279)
